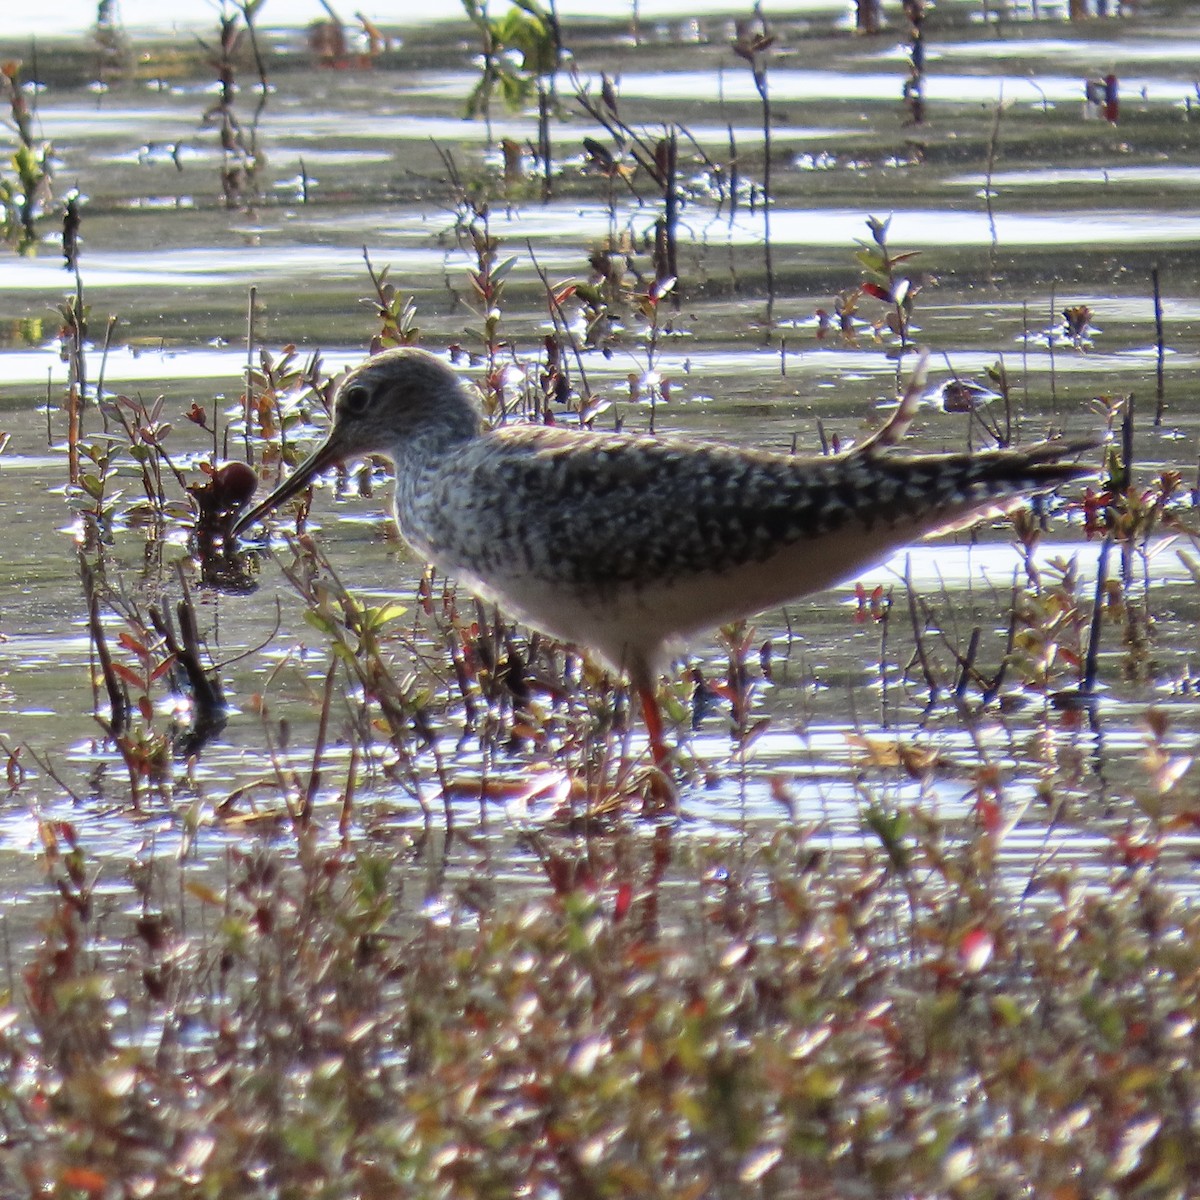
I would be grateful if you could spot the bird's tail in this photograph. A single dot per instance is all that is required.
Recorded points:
(936, 493)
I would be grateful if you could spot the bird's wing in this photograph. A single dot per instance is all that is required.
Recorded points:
(595, 510)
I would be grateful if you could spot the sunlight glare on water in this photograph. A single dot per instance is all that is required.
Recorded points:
(73, 17)
(392, 169)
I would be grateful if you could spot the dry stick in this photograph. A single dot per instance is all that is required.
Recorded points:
(1158, 344)
(760, 82)
(73, 405)
(558, 317)
(207, 693)
(10, 970)
(965, 662)
(666, 249)
(439, 769)
(733, 176)
(968, 664)
(108, 332)
(1025, 353)
(1008, 429)
(459, 663)
(544, 151)
(993, 688)
(117, 700)
(622, 134)
(1127, 470)
(884, 625)
(376, 281)
(347, 809)
(285, 780)
(247, 11)
(1050, 349)
(314, 776)
(252, 651)
(731, 183)
(644, 154)
(918, 637)
(1127, 438)
(48, 766)
(248, 395)
(395, 718)
(78, 360)
(993, 141)
(547, 90)
(1093, 650)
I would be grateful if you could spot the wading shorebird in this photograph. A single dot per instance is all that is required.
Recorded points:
(628, 545)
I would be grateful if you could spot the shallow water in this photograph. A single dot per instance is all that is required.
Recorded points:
(1081, 211)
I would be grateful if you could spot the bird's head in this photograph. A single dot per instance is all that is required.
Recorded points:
(398, 398)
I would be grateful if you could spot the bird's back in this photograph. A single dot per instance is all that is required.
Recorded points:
(623, 511)
(659, 537)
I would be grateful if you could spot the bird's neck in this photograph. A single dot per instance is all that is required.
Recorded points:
(421, 454)
(454, 421)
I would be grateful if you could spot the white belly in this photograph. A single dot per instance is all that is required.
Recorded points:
(635, 629)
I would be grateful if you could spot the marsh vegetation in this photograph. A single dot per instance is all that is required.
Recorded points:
(327, 880)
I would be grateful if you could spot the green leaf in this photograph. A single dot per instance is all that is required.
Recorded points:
(890, 828)
(872, 259)
(516, 90)
(318, 622)
(479, 94)
(1007, 1010)
(344, 652)
(377, 618)
(500, 271)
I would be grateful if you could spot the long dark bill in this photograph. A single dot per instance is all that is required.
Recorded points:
(325, 456)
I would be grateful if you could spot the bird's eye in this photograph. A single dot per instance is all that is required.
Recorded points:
(353, 400)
